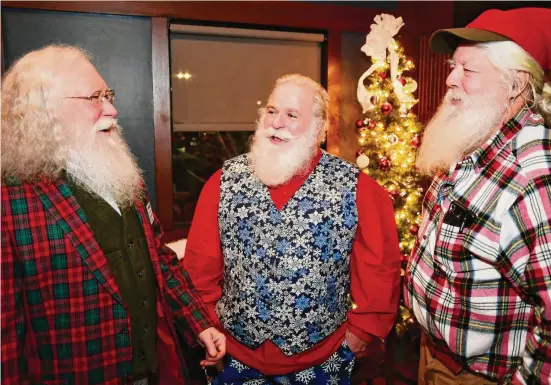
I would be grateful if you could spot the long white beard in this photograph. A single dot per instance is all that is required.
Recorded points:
(103, 164)
(276, 164)
(456, 131)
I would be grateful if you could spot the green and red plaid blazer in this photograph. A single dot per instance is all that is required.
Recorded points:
(63, 319)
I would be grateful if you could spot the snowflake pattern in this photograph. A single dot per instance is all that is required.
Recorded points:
(332, 364)
(333, 380)
(350, 366)
(336, 370)
(282, 380)
(278, 263)
(237, 365)
(306, 375)
(258, 381)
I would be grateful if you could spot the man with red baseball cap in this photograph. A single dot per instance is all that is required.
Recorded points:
(479, 279)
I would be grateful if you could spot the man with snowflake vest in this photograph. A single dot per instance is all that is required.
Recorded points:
(295, 251)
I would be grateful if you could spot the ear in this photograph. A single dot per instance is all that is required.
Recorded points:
(520, 84)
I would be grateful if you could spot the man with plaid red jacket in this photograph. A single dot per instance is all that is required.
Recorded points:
(479, 279)
(89, 294)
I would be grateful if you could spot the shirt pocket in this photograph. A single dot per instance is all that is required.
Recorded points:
(468, 249)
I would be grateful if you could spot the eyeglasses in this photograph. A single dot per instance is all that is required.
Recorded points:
(98, 96)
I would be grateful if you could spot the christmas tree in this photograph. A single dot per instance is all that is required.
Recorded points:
(388, 136)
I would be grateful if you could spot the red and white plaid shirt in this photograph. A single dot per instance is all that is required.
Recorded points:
(480, 274)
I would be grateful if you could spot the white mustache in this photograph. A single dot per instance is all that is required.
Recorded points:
(452, 95)
(284, 135)
(105, 124)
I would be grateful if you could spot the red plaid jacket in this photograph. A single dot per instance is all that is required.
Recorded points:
(63, 319)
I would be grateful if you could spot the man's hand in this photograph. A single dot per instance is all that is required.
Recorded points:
(356, 345)
(215, 344)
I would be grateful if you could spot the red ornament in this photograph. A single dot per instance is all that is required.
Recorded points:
(393, 194)
(414, 229)
(386, 108)
(360, 123)
(401, 80)
(405, 257)
(384, 163)
(416, 141)
(382, 75)
(371, 124)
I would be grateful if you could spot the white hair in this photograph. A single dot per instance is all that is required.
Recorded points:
(321, 101)
(31, 132)
(510, 57)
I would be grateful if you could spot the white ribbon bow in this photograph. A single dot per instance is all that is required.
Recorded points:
(377, 42)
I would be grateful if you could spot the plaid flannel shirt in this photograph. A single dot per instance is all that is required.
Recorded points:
(480, 273)
(63, 318)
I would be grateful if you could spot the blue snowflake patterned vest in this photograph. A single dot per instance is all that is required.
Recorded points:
(286, 273)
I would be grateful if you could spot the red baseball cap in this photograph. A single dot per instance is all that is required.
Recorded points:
(530, 28)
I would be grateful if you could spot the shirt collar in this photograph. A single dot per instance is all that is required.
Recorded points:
(483, 155)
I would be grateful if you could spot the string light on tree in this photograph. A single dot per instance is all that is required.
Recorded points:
(389, 133)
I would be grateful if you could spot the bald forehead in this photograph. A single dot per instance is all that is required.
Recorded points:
(80, 77)
(293, 96)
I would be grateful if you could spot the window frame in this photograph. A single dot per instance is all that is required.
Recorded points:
(162, 73)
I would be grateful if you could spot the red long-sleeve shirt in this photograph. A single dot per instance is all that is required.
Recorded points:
(374, 272)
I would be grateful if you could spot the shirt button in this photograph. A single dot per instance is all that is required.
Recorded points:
(140, 273)
(424, 237)
(537, 330)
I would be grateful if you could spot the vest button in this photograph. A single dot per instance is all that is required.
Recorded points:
(142, 356)
(144, 302)
(145, 329)
(140, 273)
(130, 245)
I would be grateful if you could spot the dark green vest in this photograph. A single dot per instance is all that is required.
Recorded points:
(123, 242)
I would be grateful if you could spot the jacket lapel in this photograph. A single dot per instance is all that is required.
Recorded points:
(149, 222)
(59, 202)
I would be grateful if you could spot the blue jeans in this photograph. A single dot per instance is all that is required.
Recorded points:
(336, 370)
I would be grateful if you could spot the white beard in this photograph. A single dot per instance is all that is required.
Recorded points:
(456, 131)
(103, 164)
(276, 164)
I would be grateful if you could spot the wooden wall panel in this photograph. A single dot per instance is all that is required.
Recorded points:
(160, 68)
(433, 71)
(334, 89)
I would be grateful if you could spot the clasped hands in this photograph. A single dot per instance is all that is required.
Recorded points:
(215, 344)
(374, 347)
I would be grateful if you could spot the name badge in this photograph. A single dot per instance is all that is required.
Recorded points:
(149, 213)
